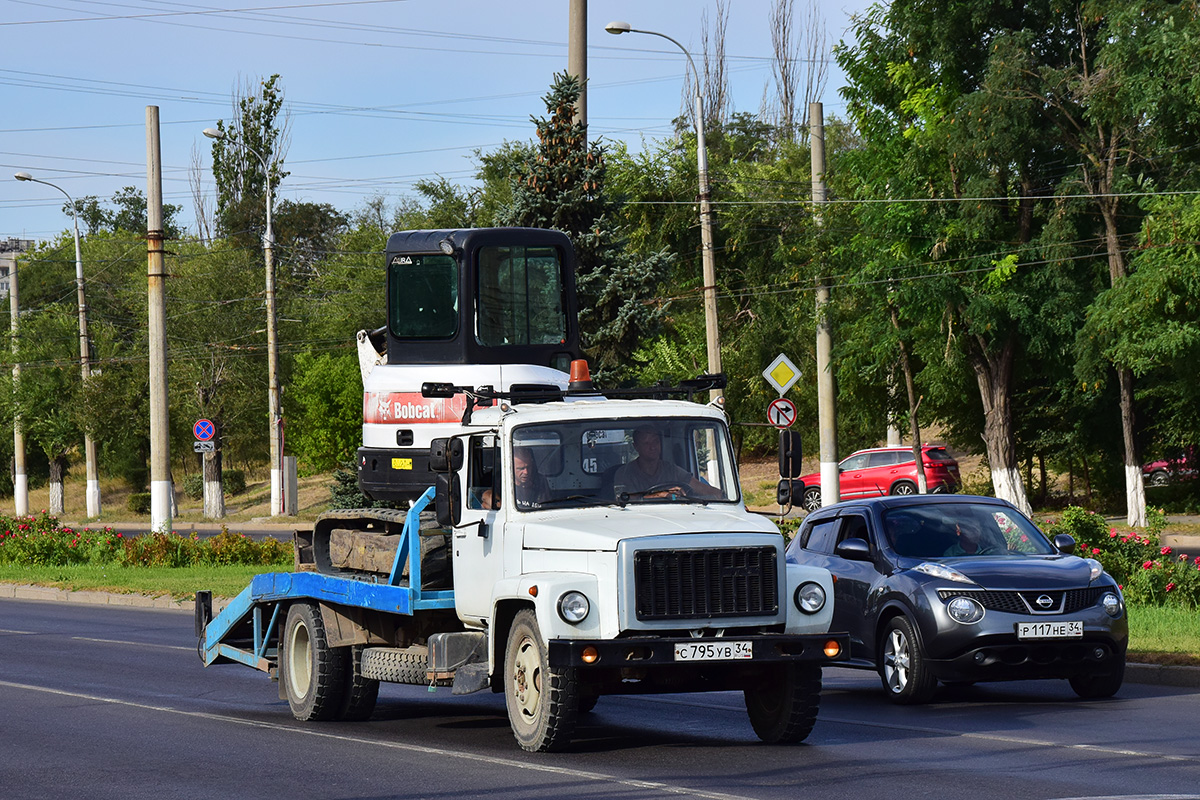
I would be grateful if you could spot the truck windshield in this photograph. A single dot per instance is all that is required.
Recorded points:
(520, 297)
(641, 460)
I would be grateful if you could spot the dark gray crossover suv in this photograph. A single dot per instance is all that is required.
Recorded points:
(960, 589)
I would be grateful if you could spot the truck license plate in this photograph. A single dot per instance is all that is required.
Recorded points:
(1072, 629)
(713, 651)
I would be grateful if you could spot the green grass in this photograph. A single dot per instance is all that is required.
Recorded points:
(180, 584)
(1164, 635)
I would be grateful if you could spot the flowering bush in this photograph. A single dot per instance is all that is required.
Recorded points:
(41, 541)
(1148, 571)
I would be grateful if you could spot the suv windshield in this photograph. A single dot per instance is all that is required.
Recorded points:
(947, 531)
(600, 462)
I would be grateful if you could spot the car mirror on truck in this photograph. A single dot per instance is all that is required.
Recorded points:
(447, 500)
(446, 455)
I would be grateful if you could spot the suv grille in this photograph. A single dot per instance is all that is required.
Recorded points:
(703, 584)
(1026, 602)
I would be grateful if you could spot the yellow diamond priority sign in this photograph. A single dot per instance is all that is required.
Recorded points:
(781, 374)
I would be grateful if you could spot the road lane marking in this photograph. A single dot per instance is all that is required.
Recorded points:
(992, 737)
(19, 633)
(569, 772)
(135, 644)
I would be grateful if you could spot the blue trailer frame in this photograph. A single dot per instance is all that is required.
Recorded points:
(270, 593)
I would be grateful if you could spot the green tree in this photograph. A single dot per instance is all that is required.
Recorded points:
(562, 187)
(248, 158)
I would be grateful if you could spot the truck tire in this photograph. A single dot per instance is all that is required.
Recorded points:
(360, 694)
(542, 702)
(783, 706)
(394, 665)
(313, 673)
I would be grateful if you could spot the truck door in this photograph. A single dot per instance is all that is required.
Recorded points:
(478, 540)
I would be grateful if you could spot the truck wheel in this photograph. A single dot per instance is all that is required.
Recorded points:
(313, 673)
(360, 694)
(902, 668)
(783, 705)
(543, 703)
(393, 665)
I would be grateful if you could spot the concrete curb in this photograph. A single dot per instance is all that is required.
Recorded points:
(51, 594)
(1152, 674)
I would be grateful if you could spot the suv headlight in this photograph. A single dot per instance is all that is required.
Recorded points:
(1112, 604)
(809, 597)
(965, 610)
(1096, 567)
(573, 607)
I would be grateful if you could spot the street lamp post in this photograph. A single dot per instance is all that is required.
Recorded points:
(89, 446)
(276, 416)
(712, 337)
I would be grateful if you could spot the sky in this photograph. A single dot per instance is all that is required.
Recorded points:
(380, 93)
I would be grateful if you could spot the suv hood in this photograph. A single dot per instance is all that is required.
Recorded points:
(604, 528)
(1020, 572)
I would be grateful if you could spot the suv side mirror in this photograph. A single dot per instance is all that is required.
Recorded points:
(853, 549)
(1064, 543)
(447, 500)
(446, 455)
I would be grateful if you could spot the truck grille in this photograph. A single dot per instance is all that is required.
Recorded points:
(706, 584)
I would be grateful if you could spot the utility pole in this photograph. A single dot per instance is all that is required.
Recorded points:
(20, 480)
(85, 357)
(161, 490)
(577, 55)
(826, 383)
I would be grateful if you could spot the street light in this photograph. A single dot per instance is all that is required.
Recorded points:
(276, 416)
(712, 338)
(89, 446)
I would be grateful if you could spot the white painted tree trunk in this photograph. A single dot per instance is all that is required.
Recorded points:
(56, 497)
(1008, 486)
(1135, 496)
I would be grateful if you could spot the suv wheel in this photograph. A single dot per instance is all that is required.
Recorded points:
(812, 498)
(1159, 478)
(903, 488)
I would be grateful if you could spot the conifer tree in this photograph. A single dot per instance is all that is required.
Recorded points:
(562, 187)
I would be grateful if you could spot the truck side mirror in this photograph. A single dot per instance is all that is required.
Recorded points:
(447, 500)
(789, 455)
(446, 455)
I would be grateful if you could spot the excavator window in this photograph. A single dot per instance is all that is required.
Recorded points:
(520, 300)
(424, 299)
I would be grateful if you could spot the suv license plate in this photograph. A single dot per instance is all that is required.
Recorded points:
(1072, 629)
(713, 651)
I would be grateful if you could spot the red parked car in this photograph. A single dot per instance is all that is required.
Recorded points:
(1184, 466)
(884, 470)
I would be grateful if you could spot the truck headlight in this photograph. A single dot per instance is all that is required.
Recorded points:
(573, 607)
(809, 597)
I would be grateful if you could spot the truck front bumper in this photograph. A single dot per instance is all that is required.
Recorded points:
(644, 651)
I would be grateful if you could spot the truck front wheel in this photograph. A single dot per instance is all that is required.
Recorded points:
(543, 703)
(783, 705)
(313, 673)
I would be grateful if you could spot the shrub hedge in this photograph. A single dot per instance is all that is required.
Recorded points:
(1147, 571)
(42, 541)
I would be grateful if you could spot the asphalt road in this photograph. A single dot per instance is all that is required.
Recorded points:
(103, 702)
